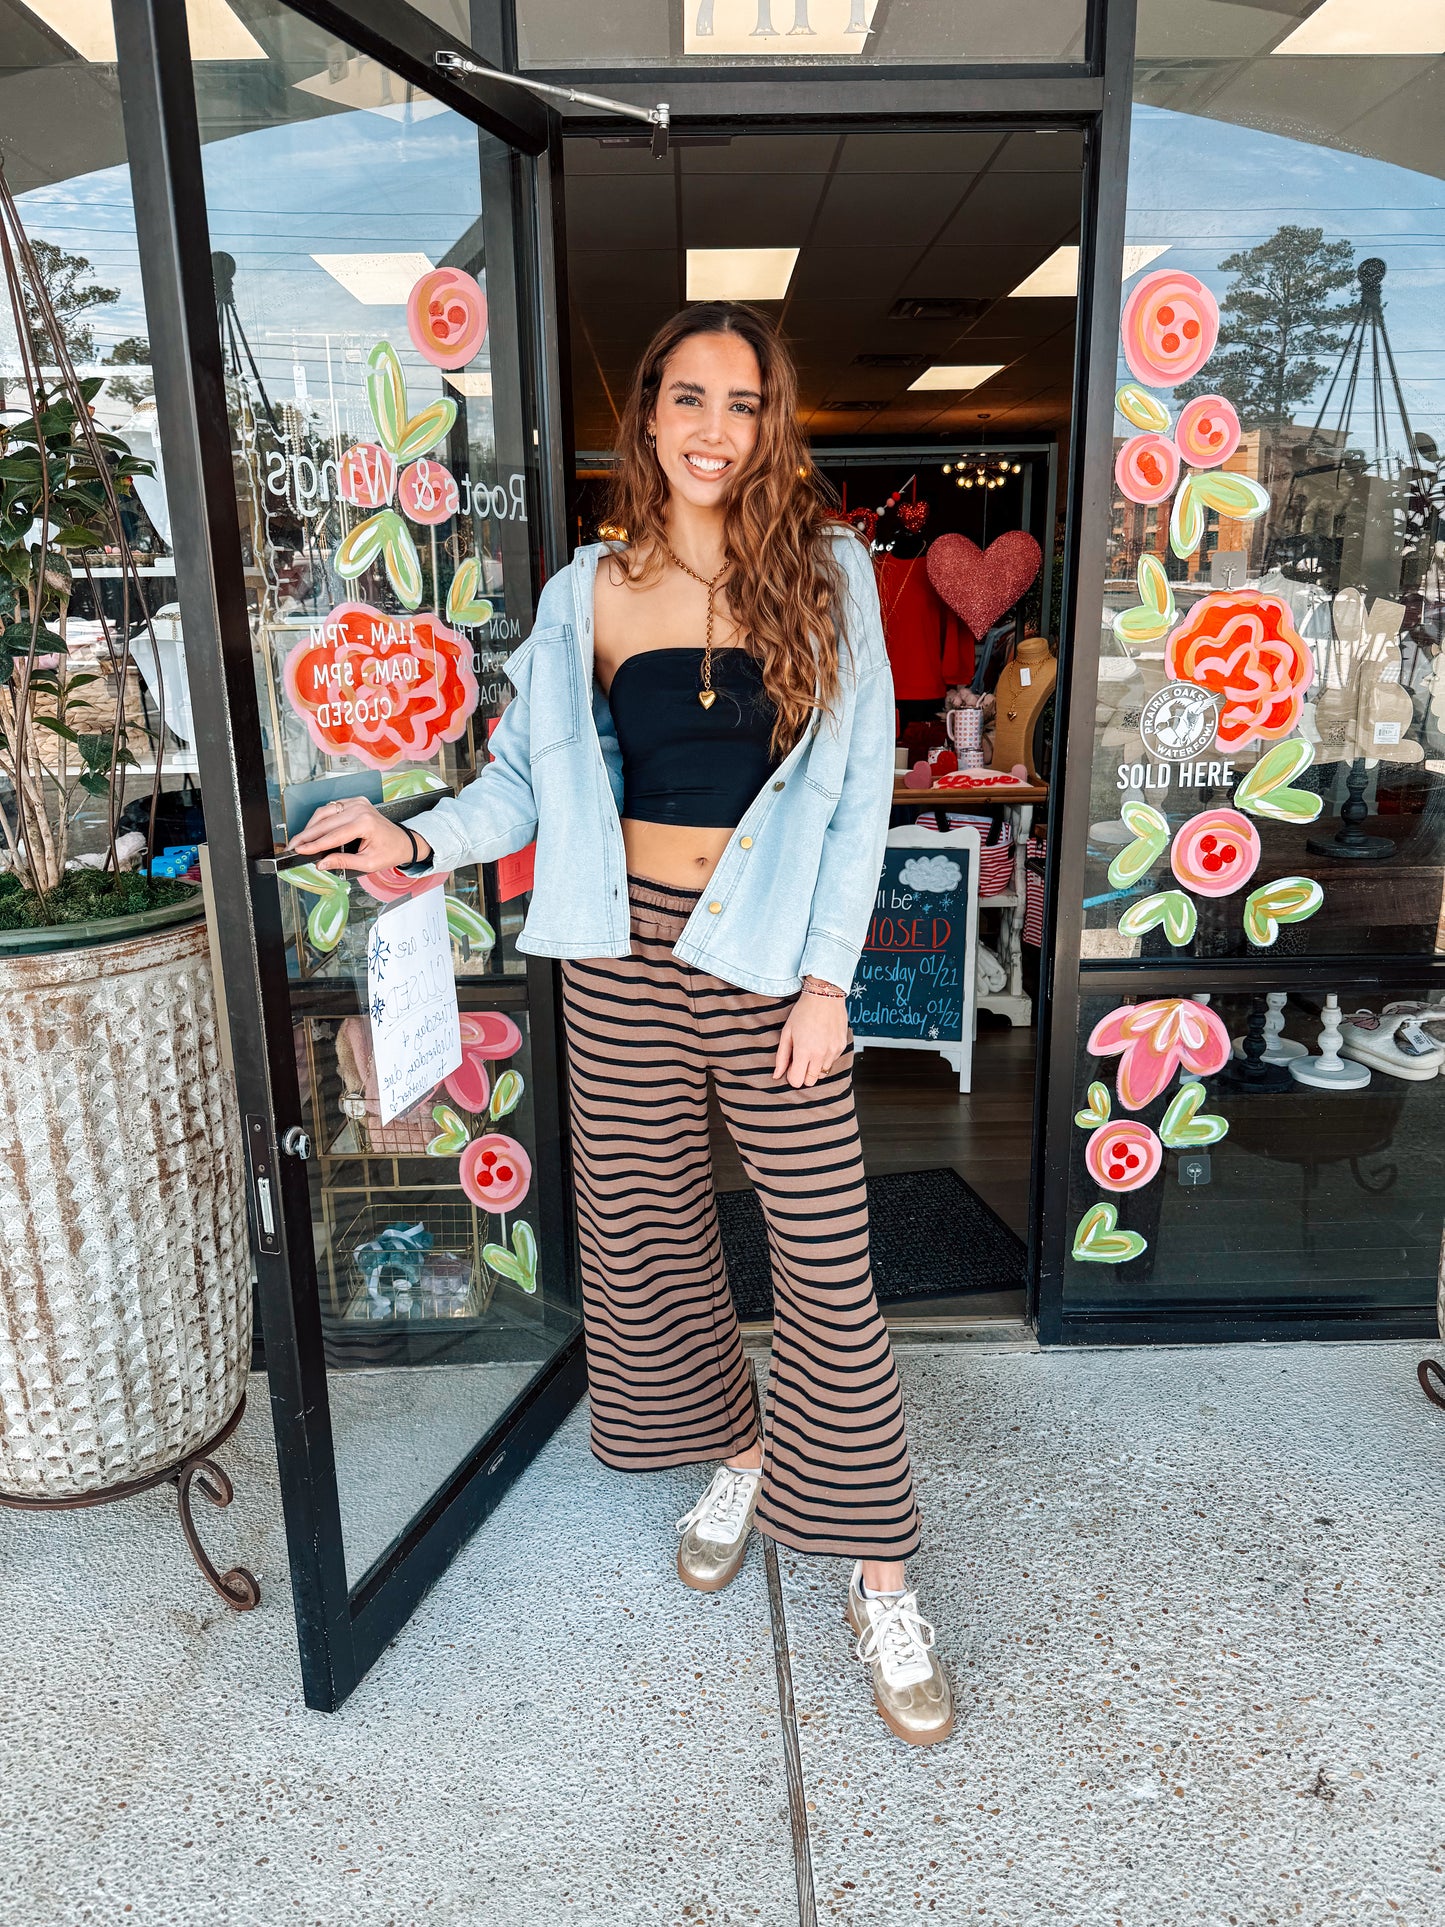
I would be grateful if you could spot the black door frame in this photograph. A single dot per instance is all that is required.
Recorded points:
(341, 1629)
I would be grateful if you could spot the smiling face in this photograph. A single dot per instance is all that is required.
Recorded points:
(706, 418)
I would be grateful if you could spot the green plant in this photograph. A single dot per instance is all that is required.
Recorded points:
(61, 482)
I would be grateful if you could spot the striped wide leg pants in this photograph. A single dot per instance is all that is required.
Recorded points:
(669, 1383)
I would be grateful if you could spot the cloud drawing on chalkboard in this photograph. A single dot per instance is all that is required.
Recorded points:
(932, 874)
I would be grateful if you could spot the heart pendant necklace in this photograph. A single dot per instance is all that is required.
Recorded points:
(707, 695)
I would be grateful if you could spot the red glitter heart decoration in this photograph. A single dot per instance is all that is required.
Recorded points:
(865, 521)
(913, 516)
(980, 585)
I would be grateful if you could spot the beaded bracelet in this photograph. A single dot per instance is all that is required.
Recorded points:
(816, 987)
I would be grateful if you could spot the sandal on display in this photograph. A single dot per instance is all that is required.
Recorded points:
(1396, 1044)
(1432, 1018)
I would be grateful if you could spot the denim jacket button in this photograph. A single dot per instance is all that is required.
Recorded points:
(780, 786)
(714, 908)
(745, 843)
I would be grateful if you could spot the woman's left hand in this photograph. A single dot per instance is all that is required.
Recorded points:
(814, 1037)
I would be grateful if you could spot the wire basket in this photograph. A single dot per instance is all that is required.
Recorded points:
(417, 1262)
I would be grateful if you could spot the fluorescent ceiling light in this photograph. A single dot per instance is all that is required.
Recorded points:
(1058, 275)
(955, 375)
(1369, 27)
(363, 82)
(474, 382)
(86, 25)
(1136, 258)
(380, 280)
(739, 274)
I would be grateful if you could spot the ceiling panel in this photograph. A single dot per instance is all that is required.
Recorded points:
(1039, 208)
(906, 207)
(751, 211)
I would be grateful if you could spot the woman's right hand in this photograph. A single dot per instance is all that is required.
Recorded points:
(383, 844)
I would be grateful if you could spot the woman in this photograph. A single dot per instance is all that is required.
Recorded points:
(708, 847)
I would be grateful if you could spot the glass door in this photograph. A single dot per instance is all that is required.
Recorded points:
(371, 327)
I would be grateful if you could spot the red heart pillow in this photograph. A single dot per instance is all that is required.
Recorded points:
(980, 585)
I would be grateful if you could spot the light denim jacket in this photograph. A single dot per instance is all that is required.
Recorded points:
(794, 889)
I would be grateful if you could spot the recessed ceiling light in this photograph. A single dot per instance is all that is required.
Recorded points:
(955, 375)
(1369, 27)
(215, 32)
(739, 274)
(379, 280)
(1059, 275)
(477, 381)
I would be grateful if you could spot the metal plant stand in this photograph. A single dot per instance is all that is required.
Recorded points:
(239, 1588)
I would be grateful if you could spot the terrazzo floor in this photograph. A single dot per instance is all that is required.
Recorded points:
(1191, 1598)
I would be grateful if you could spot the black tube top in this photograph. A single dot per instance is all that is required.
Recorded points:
(682, 763)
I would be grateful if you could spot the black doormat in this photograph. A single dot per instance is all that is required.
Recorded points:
(931, 1237)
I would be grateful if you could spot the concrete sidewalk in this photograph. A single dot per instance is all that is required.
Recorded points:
(1191, 1598)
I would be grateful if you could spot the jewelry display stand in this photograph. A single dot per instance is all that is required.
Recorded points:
(1278, 1049)
(1250, 1071)
(1350, 840)
(1329, 1071)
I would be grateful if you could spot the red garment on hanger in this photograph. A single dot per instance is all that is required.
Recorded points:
(928, 645)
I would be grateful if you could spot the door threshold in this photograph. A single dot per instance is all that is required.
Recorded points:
(995, 1319)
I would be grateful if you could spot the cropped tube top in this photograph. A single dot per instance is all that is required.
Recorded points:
(682, 763)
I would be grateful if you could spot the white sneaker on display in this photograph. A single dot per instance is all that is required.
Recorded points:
(715, 1533)
(895, 1642)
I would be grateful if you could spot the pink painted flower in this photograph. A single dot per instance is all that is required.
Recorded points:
(428, 492)
(495, 1172)
(1152, 1040)
(1147, 468)
(486, 1036)
(1215, 852)
(390, 886)
(367, 476)
(1123, 1156)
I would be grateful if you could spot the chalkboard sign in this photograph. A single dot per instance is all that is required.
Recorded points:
(914, 986)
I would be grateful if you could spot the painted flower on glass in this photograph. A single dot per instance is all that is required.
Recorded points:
(384, 689)
(1123, 1156)
(495, 1172)
(1153, 1040)
(446, 317)
(1245, 647)
(1207, 431)
(1169, 327)
(1215, 853)
(1146, 468)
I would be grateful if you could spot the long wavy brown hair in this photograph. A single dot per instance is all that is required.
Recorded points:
(784, 588)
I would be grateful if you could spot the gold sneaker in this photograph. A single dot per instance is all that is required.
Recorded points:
(715, 1533)
(895, 1642)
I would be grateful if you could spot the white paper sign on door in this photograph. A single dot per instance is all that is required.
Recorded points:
(411, 995)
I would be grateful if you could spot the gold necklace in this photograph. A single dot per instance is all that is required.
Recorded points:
(707, 695)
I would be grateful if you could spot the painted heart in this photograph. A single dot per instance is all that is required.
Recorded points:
(1182, 1127)
(452, 1134)
(1286, 900)
(919, 777)
(980, 585)
(1171, 908)
(1266, 791)
(520, 1263)
(1154, 613)
(1150, 830)
(1096, 1107)
(402, 435)
(1099, 1241)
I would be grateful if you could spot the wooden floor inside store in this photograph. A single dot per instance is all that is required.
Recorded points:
(913, 1117)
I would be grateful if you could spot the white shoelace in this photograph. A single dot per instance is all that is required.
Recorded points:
(898, 1637)
(722, 1511)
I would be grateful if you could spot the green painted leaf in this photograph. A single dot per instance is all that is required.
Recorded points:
(1153, 615)
(327, 918)
(506, 1266)
(1151, 839)
(1097, 1105)
(396, 784)
(506, 1094)
(362, 546)
(524, 1243)
(1098, 1240)
(1286, 900)
(313, 879)
(1142, 409)
(464, 604)
(403, 567)
(1265, 789)
(425, 430)
(1239, 497)
(469, 926)
(1186, 519)
(386, 391)
(453, 1136)
(1171, 908)
(1183, 1128)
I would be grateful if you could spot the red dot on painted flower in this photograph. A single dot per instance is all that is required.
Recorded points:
(1191, 331)
(1170, 344)
(1117, 1171)
(1228, 853)
(504, 1173)
(1166, 315)
(1150, 468)
(1208, 844)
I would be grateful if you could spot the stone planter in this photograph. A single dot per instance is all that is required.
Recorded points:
(125, 1293)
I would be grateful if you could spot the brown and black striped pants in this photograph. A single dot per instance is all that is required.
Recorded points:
(669, 1383)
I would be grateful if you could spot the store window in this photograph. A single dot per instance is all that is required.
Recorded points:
(1268, 778)
(385, 469)
(1269, 769)
(834, 33)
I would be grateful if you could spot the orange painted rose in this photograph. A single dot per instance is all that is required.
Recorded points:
(1245, 647)
(384, 689)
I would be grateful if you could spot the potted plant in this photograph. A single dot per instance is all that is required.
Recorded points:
(125, 1296)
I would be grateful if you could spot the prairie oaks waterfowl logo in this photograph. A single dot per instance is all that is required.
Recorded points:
(1179, 722)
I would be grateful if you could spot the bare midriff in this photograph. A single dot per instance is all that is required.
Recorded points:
(673, 852)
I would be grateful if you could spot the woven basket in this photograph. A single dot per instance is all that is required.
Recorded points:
(125, 1277)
